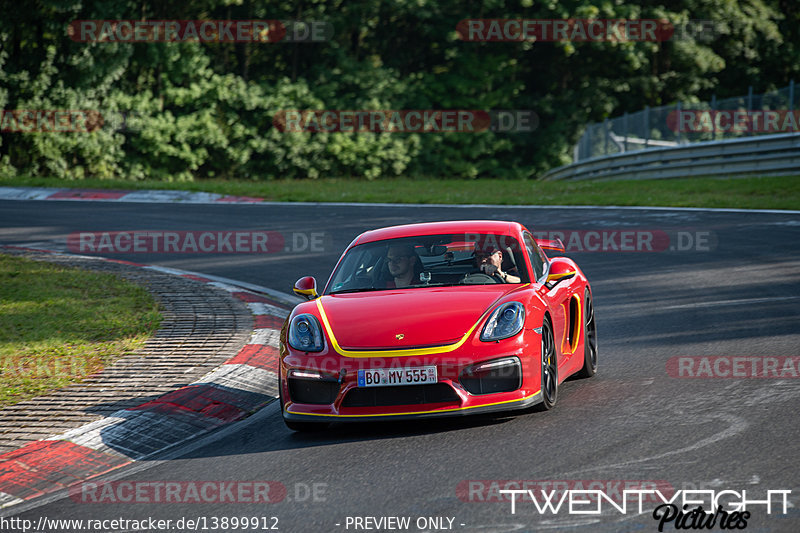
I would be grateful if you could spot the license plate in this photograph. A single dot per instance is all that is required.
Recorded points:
(386, 377)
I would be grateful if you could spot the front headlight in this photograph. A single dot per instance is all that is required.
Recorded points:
(506, 321)
(305, 333)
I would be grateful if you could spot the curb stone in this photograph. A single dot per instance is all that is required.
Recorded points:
(107, 195)
(213, 362)
(176, 196)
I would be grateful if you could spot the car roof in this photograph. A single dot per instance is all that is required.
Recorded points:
(436, 228)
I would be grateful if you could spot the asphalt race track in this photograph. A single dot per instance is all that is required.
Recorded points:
(723, 284)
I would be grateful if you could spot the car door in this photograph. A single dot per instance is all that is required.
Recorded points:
(559, 300)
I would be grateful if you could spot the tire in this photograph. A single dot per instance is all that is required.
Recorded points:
(589, 339)
(303, 427)
(549, 364)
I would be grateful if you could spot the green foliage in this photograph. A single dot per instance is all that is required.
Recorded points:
(185, 111)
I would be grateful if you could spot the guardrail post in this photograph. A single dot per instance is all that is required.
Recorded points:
(585, 144)
(713, 108)
(590, 130)
(625, 132)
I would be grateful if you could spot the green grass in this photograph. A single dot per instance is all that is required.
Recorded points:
(60, 324)
(750, 193)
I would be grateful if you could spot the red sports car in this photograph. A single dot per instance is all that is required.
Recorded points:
(436, 319)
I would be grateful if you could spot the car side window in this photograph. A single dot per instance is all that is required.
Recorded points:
(537, 261)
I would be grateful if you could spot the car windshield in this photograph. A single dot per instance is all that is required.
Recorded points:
(430, 260)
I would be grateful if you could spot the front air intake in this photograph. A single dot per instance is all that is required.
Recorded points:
(499, 375)
(317, 392)
(400, 395)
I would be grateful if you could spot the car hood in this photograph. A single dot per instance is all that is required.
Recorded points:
(419, 317)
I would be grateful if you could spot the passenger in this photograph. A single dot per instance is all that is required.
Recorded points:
(404, 266)
(490, 262)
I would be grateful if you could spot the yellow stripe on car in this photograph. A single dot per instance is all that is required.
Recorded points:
(406, 352)
(420, 412)
(556, 277)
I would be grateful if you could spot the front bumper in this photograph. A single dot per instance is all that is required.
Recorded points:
(522, 403)
(334, 395)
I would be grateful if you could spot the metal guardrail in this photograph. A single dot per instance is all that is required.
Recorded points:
(659, 126)
(761, 155)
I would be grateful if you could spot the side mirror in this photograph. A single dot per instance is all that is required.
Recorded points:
(306, 287)
(555, 279)
(552, 245)
(561, 269)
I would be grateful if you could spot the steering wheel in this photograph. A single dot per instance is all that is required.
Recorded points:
(478, 278)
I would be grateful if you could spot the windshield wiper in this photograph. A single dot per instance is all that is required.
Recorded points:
(362, 289)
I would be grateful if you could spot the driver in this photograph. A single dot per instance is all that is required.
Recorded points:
(402, 261)
(490, 262)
